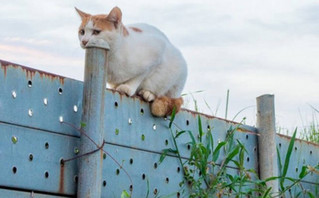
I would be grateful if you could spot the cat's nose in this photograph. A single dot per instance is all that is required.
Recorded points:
(84, 42)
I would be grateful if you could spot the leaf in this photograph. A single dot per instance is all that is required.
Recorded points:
(192, 137)
(83, 124)
(288, 155)
(266, 194)
(310, 195)
(200, 128)
(232, 154)
(217, 150)
(172, 118)
(179, 133)
(303, 172)
(165, 152)
(125, 194)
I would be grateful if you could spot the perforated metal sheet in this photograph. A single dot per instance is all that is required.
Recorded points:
(33, 105)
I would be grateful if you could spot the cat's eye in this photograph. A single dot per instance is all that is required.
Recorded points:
(82, 32)
(96, 32)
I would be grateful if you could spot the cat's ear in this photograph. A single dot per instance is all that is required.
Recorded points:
(81, 13)
(115, 16)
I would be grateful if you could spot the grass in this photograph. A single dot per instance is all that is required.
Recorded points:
(204, 177)
(311, 132)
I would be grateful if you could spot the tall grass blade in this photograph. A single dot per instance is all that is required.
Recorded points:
(172, 118)
(227, 103)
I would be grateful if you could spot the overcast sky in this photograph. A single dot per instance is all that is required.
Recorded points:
(249, 47)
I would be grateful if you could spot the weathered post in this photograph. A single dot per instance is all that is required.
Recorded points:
(90, 166)
(267, 139)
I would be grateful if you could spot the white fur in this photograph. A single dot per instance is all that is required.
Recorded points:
(142, 62)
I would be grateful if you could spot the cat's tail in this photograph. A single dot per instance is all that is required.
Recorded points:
(163, 106)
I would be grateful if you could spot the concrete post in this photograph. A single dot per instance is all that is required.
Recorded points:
(267, 139)
(90, 166)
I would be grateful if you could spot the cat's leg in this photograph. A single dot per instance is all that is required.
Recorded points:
(130, 86)
(147, 95)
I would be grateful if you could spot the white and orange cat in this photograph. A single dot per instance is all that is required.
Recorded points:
(141, 60)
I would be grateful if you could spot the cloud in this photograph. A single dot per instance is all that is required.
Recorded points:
(248, 47)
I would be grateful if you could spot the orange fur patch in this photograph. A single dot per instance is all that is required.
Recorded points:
(135, 29)
(100, 21)
(163, 106)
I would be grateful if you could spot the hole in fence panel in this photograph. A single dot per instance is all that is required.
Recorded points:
(61, 119)
(310, 152)
(296, 169)
(30, 112)
(167, 180)
(131, 161)
(76, 179)
(130, 121)
(247, 159)
(143, 176)
(154, 127)
(178, 169)
(247, 137)
(29, 83)
(104, 155)
(155, 191)
(75, 108)
(60, 91)
(187, 122)
(208, 128)
(30, 157)
(142, 111)
(14, 170)
(45, 101)
(188, 147)
(296, 148)
(178, 194)
(46, 145)
(76, 150)
(255, 149)
(62, 162)
(46, 174)
(116, 104)
(117, 131)
(104, 183)
(155, 165)
(14, 139)
(14, 94)
(166, 142)
(131, 188)
(117, 171)
(143, 137)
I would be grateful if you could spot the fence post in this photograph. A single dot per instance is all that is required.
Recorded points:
(267, 139)
(90, 166)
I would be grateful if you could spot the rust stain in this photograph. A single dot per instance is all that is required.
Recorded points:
(30, 72)
(61, 183)
(299, 140)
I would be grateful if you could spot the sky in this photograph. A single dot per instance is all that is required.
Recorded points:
(248, 47)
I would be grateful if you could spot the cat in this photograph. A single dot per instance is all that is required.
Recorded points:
(141, 59)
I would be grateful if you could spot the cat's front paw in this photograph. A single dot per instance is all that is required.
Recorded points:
(123, 88)
(147, 95)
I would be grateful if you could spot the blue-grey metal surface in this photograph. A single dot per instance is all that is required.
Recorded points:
(90, 166)
(5, 193)
(31, 115)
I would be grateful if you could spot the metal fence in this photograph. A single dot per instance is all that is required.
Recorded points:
(40, 142)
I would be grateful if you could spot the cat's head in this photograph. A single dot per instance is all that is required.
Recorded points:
(108, 27)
